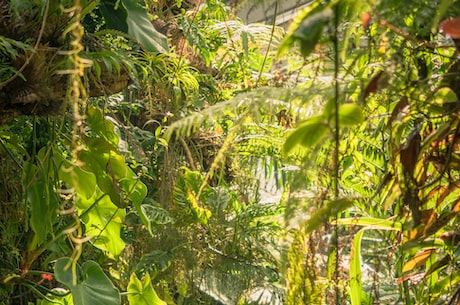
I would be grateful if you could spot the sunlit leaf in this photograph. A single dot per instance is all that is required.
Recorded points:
(355, 269)
(103, 221)
(310, 30)
(82, 181)
(142, 292)
(307, 134)
(350, 114)
(101, 126)
(444, 95)
(53, 299)
(372, 223)
(418, 260)
(446, 283)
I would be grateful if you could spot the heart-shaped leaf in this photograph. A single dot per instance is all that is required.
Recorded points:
(92, 287)
(133, 19)
(142, 292)
(103, 221)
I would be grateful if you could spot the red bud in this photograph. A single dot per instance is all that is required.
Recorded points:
(366, 20)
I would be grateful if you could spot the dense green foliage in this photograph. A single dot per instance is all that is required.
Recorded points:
(163, 152)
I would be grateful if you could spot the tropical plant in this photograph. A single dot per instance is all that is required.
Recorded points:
(139, 140)
(384, 177)
(88, 215)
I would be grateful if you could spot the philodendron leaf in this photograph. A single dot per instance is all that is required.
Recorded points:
(308, 133)
(131, 18)
(114, 15)
(142, 292)
(92, 286)
(101, 126)
(142, 29)
(103, 221)
(40, 195)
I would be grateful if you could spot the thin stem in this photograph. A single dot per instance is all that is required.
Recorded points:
(269, 44)
(336, 147)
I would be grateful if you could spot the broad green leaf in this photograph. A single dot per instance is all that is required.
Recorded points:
(142, 292)
(92, 286)
(103, 220)
(140, 27)
(445, 95)
(308, 133)
(307, 28)
(329, 108)
(101, 126)
(129, 17)
(134, 188)
(136, 191)
(447, 283)
(113, 175)
(82, 181)
(114, 15)
(350, 114)
(97, 162)
(355, 256)
(188, 207)
(330, 209)
(39, 192)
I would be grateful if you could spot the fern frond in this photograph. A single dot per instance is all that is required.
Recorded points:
(242, 108)
(259, 33)
(9, 47)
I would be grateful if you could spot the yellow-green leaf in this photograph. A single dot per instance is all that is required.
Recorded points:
(308, 133)
(142, 292)
(350, 114)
